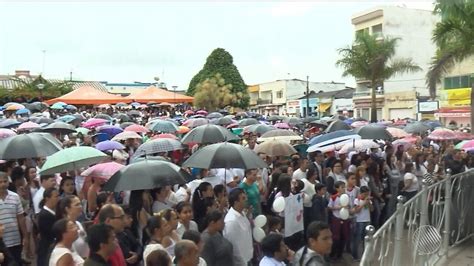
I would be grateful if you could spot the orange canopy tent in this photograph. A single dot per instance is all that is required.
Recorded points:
(89, 95)
(152, 93)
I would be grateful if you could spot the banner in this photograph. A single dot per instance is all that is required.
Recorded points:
(293, 214)
(456, 97)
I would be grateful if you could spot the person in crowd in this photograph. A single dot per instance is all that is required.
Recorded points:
(170, 237)
(140, 208)
(283, 189)
(160, 196)
(101, 241)
(70, 207)
(6, 257)
(456, 164)
(187, 253)
(274, 250)
(156, 229)
(362, 208)
(195, 236)
(319, 240)
(318, 160)
(128, 242)
(185, 216)
(47, 181)
(339, 227)
(13, 219)
(92, 194)
(237, 228)
(67, 187)
(300, 173)
(319, 209)
(158, 257)
(217, 250)
(201, 193)
(45, 218)
(410, 183)
(352, 190)
(275, 224)
(33, 184)
(220, 193)
(113, 215)
(65, 233)
(335, 175)
(252, 191)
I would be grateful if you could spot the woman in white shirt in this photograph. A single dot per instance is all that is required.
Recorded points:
(410, 183)
(66, 232)
(70, 207)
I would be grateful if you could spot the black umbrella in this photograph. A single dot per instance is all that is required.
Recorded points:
(274, 118)
(146, 174)
(104, 116)
(60, 128)
(417, 127)
(122, 117)
(259, 129)
(309, 119)
(373, 132)
(225, 155)
(208, 134)
(214, 115)
(41, 120)
(248, 122)
(9, 123)
(223, 121)
(337, 125)
(134, 113)
(292, 121)
(32, 145)
(126, 124)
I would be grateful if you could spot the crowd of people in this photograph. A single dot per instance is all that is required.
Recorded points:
(66, 219)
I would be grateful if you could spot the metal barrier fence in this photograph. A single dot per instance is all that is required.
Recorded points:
(422, 230)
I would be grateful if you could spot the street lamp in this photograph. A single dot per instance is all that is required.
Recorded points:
(40, 87)
(307, 97)
(174, 91)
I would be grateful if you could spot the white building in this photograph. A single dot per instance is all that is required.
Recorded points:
(414, 28)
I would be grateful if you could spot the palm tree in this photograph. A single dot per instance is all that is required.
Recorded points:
(372, 60)
(454, 37)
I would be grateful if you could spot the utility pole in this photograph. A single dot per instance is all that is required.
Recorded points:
(307, 96)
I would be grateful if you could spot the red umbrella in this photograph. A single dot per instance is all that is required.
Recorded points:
(442, 134)
(137, 129)
(463, 135)
(165, 136)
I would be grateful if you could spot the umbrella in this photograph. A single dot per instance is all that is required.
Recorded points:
(82, 130)
(120, 104)
(280, 134)
(242, 114)
(94, 122)
(137, 128)
(208, 134)
(189, 112)
(15, 107)
(23, 112)
(126, 135)
(99, 137)
(201, 112)
(183, 130)
(5, 133)
(463, 135)
(126, 124)
(104, 106)
(292, 121)
(397, 132)
(282, 126)
(359, 124)
(58, 106)
(163, 126)
(214, 115)
(122, 117)
(68, 118)
(248, 122)
(373, 132)
(359, 145)
(157, 146)
(71, 159)
(337, 125)
(28, 126)
(146, 174)
(104, 116)
(225, 155)
(442, 134)
(331, 139)
(301, 149)
(223, 121)
(41, 120)
(258, 129)
(460, 144)
(319, 123)
(9, 123)
(71, 107)
(60, 128)
(276, 147)
(165, 136)
(432, 123)
(32, 145)
(109, 145)
(195, 122)
(309, 119)
(103, 170)
(417, 127)
(134, 113)
(468, 146)
(402, 142)
(110, 130)
(274, 118)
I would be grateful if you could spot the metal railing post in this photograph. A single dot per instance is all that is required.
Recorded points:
(424, 203)
(368, 255)
(397, 253)
(447, 213)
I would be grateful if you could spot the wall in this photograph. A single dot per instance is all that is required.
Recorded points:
(341, 104)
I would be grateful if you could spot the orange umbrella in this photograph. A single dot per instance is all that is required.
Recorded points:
(183, 130)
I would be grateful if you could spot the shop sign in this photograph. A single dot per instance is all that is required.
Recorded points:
(429, 106)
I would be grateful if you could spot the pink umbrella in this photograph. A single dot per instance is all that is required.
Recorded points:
(233, 125)
(410, 139)
(28, 126)
(282, 126)
(103, 170)
(468, 146)
(463, 135)
(5, 133)
(401, 142)
(137, 129)
(397, 132)
(189, 112)
(201, 112)
(165, 136)
(442, 134)
(94, 122)
(359, 124)
(126, 135)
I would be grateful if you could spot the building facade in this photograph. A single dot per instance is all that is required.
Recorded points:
(329, 103)
(397, 98)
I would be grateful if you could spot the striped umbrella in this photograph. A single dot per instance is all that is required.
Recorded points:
(157, 146)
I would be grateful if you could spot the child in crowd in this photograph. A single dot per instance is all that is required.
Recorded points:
(340, 228)
(319, 204)
(362, 208)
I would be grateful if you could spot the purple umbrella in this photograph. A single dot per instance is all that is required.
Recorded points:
(109, 145)
(110, 130)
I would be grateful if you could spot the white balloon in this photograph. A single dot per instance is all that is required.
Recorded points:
(344, 213)
(258, 234)
(260, 221)
(279, 204)
(344, 200)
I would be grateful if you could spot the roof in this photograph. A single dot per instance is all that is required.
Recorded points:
(88, 95)
(7, 81)
(152, 93)
(348, 92)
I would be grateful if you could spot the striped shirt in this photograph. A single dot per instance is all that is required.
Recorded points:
(10, 207)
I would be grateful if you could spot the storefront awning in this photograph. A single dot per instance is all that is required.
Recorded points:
(323, 107)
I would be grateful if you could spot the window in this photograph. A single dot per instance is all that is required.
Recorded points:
(365, 113)
(279, 94)
(457, 82)
(377, 30)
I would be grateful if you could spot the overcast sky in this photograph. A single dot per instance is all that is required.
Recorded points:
(126, 42)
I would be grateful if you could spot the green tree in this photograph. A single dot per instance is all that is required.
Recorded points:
(214, 94)
(28, 89)
(454, 38)
(372, 60)
(220, 61)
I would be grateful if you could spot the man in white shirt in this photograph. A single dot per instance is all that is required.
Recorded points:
(47, 181)
(300, 173)
(237, 228)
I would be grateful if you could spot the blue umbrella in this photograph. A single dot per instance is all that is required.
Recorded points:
(163, 126)
(101, 137)
(58, 106)
(67, 118)
(22, 111)
(9, 123)
(110, 130)
(331, 138)
(108, 145)
(70, 107)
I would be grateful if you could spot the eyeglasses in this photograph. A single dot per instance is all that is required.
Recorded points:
(118, 217)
